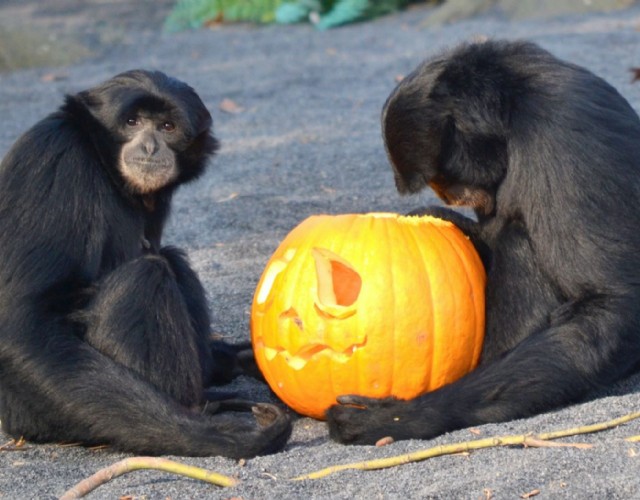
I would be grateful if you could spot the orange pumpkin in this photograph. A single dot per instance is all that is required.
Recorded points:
(375, 304)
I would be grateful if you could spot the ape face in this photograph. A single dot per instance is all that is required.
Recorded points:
(147, 160)
(159, 127)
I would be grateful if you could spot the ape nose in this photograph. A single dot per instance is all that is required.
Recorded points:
(150, 146)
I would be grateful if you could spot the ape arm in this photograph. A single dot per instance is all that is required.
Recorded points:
(524, 381)
(471, 228)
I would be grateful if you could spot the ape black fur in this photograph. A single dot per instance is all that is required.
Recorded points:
(104, 332)
(548, 155)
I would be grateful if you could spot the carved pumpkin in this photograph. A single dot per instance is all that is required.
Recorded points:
(375, 304)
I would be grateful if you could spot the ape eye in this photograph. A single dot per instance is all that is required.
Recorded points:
(168, 126)
(132, 122)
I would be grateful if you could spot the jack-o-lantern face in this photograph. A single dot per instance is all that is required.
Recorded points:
(376, 305)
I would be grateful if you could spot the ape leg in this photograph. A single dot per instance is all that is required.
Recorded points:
(195, 300)
(514, 272)
(150, 316)
(220, 361)
(166, 306)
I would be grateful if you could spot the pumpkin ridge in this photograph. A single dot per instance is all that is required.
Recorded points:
(428, 373)
(358, 319)
(463, 255)
(401, 242)
(302, 242)
(343, 225)
(448, 241)
(450, 238)
(388, 257)
(442, 346)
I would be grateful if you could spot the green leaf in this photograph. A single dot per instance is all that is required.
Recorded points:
(348, 11)
(195, 13)
(290, 13)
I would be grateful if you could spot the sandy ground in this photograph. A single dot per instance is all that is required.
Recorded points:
(307, 141)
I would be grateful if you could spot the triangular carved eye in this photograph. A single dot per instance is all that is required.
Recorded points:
(276, 267)
(339, 284)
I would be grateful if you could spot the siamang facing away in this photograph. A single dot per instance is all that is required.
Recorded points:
(548, 156)
(104, 332)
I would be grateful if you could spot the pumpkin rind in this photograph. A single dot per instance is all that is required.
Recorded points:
(416, 324)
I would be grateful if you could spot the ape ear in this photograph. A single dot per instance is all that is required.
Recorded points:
(96, 104)
(89, 99)
(194, 159)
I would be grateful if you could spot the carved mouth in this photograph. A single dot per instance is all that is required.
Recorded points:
(302, 356)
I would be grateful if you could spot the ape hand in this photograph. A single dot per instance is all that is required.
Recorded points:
(465, 224)
(362, 420)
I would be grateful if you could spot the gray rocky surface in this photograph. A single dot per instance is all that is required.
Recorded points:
(307, 141)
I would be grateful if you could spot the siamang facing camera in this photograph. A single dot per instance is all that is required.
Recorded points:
(104, 333)
(548, 156)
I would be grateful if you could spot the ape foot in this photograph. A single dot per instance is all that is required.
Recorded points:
(274, 427)
(267, 414)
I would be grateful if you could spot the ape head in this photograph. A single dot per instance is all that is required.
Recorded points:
(446, 126)
(157, 129)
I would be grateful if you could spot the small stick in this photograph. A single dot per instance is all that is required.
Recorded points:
(137, 463)
(14, 445)
(532, 442)
(524, 439)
